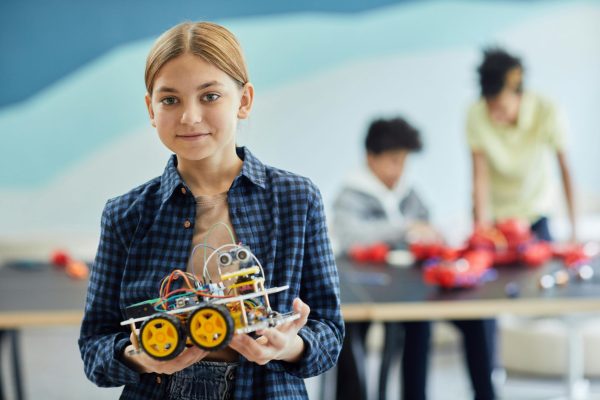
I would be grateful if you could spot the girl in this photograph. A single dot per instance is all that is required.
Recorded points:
(197, 90)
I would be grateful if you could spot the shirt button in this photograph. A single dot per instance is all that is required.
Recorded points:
(183, 190)
(187, 224)
(158, 380)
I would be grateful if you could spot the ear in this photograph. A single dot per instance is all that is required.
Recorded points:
(246, 101)
(148, 100)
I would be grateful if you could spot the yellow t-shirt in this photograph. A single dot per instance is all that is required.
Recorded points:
(518, 157)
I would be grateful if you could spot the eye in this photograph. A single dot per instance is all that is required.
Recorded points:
(169, 101)
(210, 97)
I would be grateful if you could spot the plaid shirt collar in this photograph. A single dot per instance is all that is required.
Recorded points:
(252, 169)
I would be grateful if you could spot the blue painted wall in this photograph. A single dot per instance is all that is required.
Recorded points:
(45, 40)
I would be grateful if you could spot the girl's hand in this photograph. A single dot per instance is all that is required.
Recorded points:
(143, 363)
(279, 343)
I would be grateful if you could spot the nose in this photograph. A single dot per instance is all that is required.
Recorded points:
(192, 114)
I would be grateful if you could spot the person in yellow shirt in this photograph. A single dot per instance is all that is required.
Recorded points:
(513, 135)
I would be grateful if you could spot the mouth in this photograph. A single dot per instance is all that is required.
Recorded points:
(193, 136)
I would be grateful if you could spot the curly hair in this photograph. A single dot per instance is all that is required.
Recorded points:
(392, 134)
(492, 71)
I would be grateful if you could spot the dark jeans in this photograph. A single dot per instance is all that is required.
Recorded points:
(479, 344)
(205, 380)
(479, 338)
(415, 357)
(351, 377)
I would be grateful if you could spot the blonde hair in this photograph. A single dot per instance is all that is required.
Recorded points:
(212, 42)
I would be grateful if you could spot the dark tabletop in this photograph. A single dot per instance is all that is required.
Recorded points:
(34, 286)
(40, 287)
(378, 284)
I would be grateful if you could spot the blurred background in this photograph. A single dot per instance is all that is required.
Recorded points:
(74, 129)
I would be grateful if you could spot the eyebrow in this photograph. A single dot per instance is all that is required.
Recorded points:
(165, 89)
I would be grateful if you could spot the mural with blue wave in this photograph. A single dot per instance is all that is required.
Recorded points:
(75, 131)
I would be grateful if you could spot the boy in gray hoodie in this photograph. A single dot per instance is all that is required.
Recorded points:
(376, 205)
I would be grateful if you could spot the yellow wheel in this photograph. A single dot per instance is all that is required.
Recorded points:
(162, 337)
(210, 327)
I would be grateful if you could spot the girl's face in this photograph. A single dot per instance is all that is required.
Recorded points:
(195, 107)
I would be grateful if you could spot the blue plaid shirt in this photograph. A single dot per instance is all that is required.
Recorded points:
(146, 234)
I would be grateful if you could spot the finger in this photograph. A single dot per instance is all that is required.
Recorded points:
(274, 337)
(187, 357)
(250, 349)
(263, 341)
(191, 355)
(284, 327)
(303, 309)
(242, 343)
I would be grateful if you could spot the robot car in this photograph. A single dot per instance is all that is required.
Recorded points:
(206, 312)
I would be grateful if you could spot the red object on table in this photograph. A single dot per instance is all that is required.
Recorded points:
(60, 258)
(467, 270)
(515, 231)
(572, 255)
(536, 253)
(77, 269)
(424, 251)
(507, 242)
(374, 253)
(511, 241)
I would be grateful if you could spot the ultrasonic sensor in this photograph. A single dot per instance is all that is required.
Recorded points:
(225, 259)
(242, 254)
